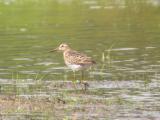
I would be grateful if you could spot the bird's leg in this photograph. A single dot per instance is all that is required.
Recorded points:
(86, 85)
(82, 79)
(74, 75)
(74, 79)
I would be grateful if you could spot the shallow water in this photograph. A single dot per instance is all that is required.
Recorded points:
(122, 36)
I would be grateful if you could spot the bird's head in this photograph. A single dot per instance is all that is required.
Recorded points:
(62, 47)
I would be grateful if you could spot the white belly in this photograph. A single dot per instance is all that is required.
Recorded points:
(75, 67)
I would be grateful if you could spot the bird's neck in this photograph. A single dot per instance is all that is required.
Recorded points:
(66, 51)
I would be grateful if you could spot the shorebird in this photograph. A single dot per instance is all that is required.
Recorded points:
(75, 60)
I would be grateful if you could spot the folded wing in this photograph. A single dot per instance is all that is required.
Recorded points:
(75, 57)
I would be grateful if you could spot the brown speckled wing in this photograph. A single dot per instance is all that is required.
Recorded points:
(78, 58)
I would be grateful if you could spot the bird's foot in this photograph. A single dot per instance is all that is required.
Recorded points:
(86, 85)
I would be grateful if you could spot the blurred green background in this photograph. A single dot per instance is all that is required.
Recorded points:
(30, 28)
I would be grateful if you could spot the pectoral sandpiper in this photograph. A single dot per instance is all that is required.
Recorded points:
(75, 60)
